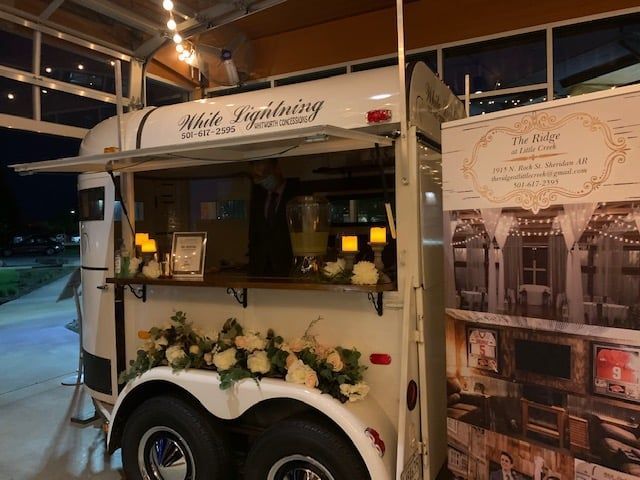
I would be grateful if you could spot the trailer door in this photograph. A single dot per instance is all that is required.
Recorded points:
(431, 308)
(96, 206)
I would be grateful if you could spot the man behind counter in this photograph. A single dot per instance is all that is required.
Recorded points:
(270, 251)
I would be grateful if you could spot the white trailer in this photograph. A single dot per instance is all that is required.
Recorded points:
(181, 425)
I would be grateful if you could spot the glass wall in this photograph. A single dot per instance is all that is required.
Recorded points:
(497, 64)
(16, 98)
(72, 64)
(596, 55)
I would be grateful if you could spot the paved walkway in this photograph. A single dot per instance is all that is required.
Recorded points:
(37, 353)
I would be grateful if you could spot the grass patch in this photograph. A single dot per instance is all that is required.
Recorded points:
(17, 282)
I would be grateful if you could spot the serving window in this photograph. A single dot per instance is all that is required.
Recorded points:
(235, 206)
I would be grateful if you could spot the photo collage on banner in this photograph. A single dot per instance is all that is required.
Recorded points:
(542, 269)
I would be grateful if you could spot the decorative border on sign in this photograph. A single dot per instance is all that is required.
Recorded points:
(535, 200)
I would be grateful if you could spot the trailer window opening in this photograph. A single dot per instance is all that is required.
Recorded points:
(230, 202)
(91, 204)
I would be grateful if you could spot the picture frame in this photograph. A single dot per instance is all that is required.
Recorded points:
(188, 252)
(615, 371)
(482, 349)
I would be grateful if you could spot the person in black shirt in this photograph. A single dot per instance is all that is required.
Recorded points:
(270, 251)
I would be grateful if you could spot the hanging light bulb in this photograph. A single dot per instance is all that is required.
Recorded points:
(167, 5)
(183, 55)
(171, 24)
(177, 38)
(179, 48)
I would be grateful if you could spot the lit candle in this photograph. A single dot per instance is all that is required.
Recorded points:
(149, 246)
(141, 238)
(378, 235)
(349, 243)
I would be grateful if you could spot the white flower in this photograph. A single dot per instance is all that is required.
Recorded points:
(322, 351)
(258, 362)
(161, 342)
(174, 354)
(364, 273)
(194, 350)
(299, 344)
(331, 269)
(354, 392)
(250, 342)
(335, 361)
(208, 358)
(302, 374)
(226, 359)
(291, 359)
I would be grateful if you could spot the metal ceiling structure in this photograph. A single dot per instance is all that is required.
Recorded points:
(127, 29)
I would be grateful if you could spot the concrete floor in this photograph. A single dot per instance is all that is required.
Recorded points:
(37, 353)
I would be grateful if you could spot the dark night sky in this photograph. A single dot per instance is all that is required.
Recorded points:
(39, 197)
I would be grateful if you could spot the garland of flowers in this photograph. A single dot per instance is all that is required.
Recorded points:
(236, 354)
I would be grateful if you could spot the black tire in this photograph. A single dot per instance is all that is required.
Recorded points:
(7, 252)
(304, 445)
(49, 251)
(179, 433)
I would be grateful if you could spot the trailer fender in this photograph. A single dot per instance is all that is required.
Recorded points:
(353, 418)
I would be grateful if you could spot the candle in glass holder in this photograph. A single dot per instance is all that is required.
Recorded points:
(378, 235)
(141, 238)
(149, 246)
(349, 243)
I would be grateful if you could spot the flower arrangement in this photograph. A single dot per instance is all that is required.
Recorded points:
(237, 354)
(363, 273)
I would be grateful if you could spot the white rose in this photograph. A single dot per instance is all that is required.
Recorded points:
(174, 354)
(299, 344)
(302, 374)
(331, 269)
(364, 273)
(226, 359)
(208, 358)
(354, 392)
(335, 360)
(194, 350)
(291, 359)
(258, 362)
(161, 342)
(250, 342)
(322, 351)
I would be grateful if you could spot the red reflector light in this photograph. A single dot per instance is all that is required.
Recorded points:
(377, 116)
(380, 358)
(376, 440)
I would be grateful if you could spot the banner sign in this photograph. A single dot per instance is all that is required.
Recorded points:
(572, 152)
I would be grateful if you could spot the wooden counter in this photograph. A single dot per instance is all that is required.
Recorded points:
(239, 284)
(242, 281)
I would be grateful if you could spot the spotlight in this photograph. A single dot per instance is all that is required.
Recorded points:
(11, 96)
(48, 69)
(80, 67)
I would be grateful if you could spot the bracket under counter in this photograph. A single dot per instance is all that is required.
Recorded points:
(237, 285)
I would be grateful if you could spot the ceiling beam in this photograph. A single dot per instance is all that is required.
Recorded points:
(208, 19)
(122, 15)
(47, 12)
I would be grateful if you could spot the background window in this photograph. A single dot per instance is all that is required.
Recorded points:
(596, 56)
(496, 64)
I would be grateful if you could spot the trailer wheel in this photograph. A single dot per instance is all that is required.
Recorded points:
(167, 439)
(303, 449)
